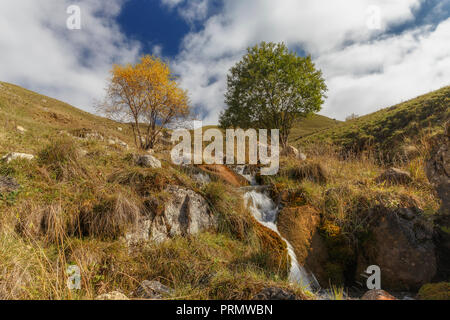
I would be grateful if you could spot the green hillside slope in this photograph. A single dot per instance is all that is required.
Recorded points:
(388, 129)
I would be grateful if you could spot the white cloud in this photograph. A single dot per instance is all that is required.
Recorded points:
(365, 69)
(40, 53)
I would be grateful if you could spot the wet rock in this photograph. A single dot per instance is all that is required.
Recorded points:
(377, 295)
(15, 155)
(299, 226)
(275, 293)
(114, 295)
(402, 248)
(147, 161)
(152, 290)
(185, 213)
(8, 184)
(394, 176)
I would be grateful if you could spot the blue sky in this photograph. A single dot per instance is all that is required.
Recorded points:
(365, 67)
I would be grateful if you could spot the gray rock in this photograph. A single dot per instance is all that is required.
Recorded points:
(152, 290)
(147, 161)
(185, 213)
(16, 155)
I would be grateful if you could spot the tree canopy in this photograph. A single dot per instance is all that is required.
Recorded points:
(147, 95)
(270, 88)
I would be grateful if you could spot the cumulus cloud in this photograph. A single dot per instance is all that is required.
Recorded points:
(365, 68)
(40, 53)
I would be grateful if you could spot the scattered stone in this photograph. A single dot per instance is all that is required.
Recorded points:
(152, 290)
(15, 155)
(377, 295)
(293, 152)
(119, 129)
(147, 161)
(114, 295)
(21, 129)
(8, 184)
(394, 176)
(185, 213)
(275, 294)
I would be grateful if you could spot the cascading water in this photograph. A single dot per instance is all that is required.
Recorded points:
(265, 212)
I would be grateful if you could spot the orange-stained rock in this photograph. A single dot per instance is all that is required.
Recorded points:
(377, 295)
(225, 174)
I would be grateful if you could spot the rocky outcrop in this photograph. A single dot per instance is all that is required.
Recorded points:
(299, 226)
(185, 213)
(114, 295)
(400, 243)
(152, 290)
(147, 161)
(275, 293)
(394, 176)
(377, 295)
(15, 156)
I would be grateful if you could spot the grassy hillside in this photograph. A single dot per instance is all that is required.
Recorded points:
(387, 130)
(43, 118)
(308, 126)
(81, 194)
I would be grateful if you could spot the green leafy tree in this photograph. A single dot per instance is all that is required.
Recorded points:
(270, 88)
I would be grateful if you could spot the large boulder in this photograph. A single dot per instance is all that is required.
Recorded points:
(299, 226)
(185, 213)
(401, 245)
(16, 155)
(394, 176)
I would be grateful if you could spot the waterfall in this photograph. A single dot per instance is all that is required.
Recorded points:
(265, 212)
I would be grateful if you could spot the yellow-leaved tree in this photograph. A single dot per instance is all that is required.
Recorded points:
(146, 95)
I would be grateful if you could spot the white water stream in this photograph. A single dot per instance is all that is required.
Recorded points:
(266, 212)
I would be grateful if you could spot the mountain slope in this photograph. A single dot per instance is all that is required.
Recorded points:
(43, 117)
(387, 129)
